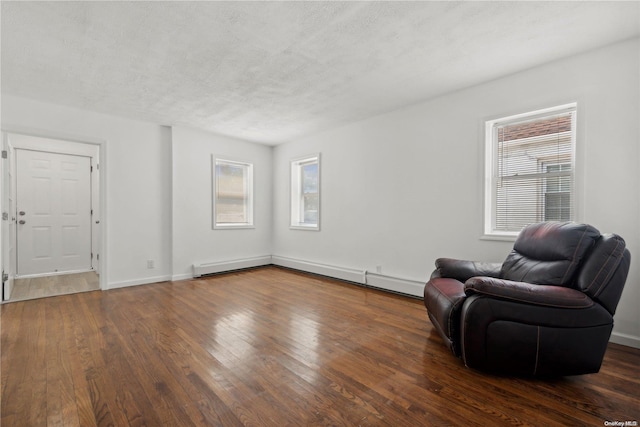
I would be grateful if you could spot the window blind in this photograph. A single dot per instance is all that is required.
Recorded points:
(534, 170)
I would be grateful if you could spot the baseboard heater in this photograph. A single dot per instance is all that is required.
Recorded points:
(202, 269)
(397, 285)
(374, 280)
(348, 274)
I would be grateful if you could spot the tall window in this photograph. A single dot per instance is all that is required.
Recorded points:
(305, 193)
(233, 194)
(529, 169)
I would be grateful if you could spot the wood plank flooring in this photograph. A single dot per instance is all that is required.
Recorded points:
(271, 347)
(60, 284)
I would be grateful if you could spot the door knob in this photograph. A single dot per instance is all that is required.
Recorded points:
(22, 221)
(21, 213)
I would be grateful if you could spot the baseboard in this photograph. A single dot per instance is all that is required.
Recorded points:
(625, 339)
(380, 281)
(136, 282)
(184, 276)
(396, 284)
(349, 274)
(222, 266)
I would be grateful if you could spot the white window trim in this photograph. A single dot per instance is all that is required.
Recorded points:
(490, 166)
(294, 189)
(232, 226)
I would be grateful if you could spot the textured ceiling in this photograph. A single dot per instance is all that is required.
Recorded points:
(270, 72)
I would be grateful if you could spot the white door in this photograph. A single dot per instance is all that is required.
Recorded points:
(53, 198)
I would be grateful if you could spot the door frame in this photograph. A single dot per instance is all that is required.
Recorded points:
(8, 224)
(62, 144)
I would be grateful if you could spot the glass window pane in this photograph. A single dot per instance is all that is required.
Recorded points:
(232, 193)
(305, 193)
(530, 169)
(310, 211)
(310, 178)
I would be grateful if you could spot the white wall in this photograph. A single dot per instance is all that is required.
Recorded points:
(194, 240)
(398, 190)
(158, 190)
(402, 189)
(138, 210)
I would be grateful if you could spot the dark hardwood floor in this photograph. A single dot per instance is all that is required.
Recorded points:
(271, 347)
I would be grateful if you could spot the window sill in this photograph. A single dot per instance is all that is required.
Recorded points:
(500, 237)
(234, 227)
(305, 227)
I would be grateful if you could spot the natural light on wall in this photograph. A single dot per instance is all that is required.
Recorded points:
(305, 193)
(233, 194)
(529, 166)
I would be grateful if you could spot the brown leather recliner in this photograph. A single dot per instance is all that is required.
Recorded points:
(547, 310)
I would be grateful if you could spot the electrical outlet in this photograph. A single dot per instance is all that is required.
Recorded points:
(150, 264)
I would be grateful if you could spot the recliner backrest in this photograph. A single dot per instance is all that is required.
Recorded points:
(549, 253)
(604, 271)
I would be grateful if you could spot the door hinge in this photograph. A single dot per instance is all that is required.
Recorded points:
(5, 155)
(91, 211)
(98, 257)
(91, 255)
(5, 276)
(5, 216)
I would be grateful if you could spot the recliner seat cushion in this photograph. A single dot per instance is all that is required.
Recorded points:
(549, 253)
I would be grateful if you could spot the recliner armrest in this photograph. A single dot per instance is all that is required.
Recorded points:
(462, 270)
(527, 293)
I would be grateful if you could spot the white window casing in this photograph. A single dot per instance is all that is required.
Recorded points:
(305, 193)
(529, 170)
(232, 194)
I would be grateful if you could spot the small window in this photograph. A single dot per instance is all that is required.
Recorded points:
(305, 193)
(529, 169)
(233, 194)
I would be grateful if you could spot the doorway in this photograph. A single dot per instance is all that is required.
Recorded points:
(52, 207)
